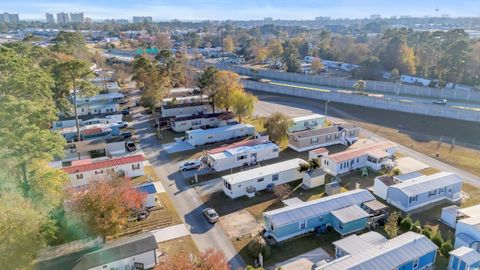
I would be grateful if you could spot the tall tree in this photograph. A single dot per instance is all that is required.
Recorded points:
(277, 126)
(71, 43)
(205, 84)
(77, 73)
(291, 57)
(228, 44)
(275, 50)
(317, 66)
(243, 104)
(226, 84)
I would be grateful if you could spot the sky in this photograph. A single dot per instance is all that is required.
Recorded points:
(240, 9)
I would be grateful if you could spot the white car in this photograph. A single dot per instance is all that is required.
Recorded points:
(440, 101)
(122, 124)
(190, 165)
(211, 215)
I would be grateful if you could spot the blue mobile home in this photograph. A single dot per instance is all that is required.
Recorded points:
(424, 190)
(464, 258)
(335, 211)
(372, 251)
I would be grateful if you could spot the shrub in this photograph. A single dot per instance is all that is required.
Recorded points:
(406, 224)
(437, 239)
(446, 248)
(396, 171)
(417, 226)
(427, 231)
(258, 245)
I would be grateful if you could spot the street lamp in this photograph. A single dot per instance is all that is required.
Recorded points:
(326, 107)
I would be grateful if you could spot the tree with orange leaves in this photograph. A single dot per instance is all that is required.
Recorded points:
(210, 259)
(106, 205)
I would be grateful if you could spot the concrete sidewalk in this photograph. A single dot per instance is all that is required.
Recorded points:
(169, 233)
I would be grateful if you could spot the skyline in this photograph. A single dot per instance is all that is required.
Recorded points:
(244, 10)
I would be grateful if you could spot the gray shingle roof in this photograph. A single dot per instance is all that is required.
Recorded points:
(318, 207)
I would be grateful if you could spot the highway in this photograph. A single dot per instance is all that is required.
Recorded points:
(421, 100)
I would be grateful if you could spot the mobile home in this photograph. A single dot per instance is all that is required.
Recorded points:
(307, 122)
(420, 191)
(373, 156)
(244, 153)
(211, 120)
(345, 134)
(302, 218)
(200, 137)
(261, 178)
(371, 250)
(183, 100)
(464, 258)
(172, 110)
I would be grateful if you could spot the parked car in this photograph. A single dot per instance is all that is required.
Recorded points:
(131, 147)
(125, 112)
(211, 215)
(126, 134)
(122, 124)
(440, 101)
(190, 165)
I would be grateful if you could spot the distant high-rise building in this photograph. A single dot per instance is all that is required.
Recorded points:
(8, 17)
(142, 19)
(88, 20)
(322, 18)
(62, 18)
(49, 18)
(375, 16)
(122, 21)
(77, 17)
(268, 19)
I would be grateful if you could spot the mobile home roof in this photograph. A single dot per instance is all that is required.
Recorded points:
(427, 183)
(317, 207)
(200, 132)
(244, 176)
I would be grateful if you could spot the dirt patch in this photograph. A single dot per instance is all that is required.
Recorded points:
(240, 224)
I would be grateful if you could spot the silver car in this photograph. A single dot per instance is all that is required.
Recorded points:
(211, 215)
(191, 165)
(440, 101)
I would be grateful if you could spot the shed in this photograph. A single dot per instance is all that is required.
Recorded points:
(332, 188)
(449, 215)
(313, 178)
(318, 153)
(464, 258)
(292, 201)
(151, 191)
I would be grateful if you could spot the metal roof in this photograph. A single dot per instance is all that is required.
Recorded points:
(259, 172)
(308, 117)
(350, 213)
(427, 183)
(358, 152)
(375, 205)
(355, 244)
(466, 254)
(103, 164)
(148, 188)
(472, 211)
(244, 149)
(407, 176)
(318, 207)
(205, 132)
(388, 255)
(117, 250)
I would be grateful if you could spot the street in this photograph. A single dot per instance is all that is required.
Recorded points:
(186, 200)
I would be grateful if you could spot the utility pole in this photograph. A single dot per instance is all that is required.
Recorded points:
(326, 108)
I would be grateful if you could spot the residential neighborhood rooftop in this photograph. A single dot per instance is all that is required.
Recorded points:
(358, 152)
(427, 183)
(466, 254)
(350, 213)
(89, 166)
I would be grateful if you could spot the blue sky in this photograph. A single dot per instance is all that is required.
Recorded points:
(240, 9)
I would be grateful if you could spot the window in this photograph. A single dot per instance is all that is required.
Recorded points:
(337, 135)
(340, 225)
(79, 176)
(413, 199)
(341, 166)
(275, 150)
(260, 180)
(228, 186)
(328, 137)
(432, 193)
(441, 190)
(358, 160)
(314, 140)
(241, 157)
(274, 177)
(303, 224)
(135, 167)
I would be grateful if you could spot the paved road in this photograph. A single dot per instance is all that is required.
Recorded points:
(186, 200)
(421, 100)
(271, 103)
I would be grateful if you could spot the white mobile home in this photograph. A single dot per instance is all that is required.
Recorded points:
(373, 156)
(199, 137)
(211, 120)
(172, 110)
(243, 153)
(183, 100)
(302, 123)
(103, 103)
(82, 172)
(250, 181)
